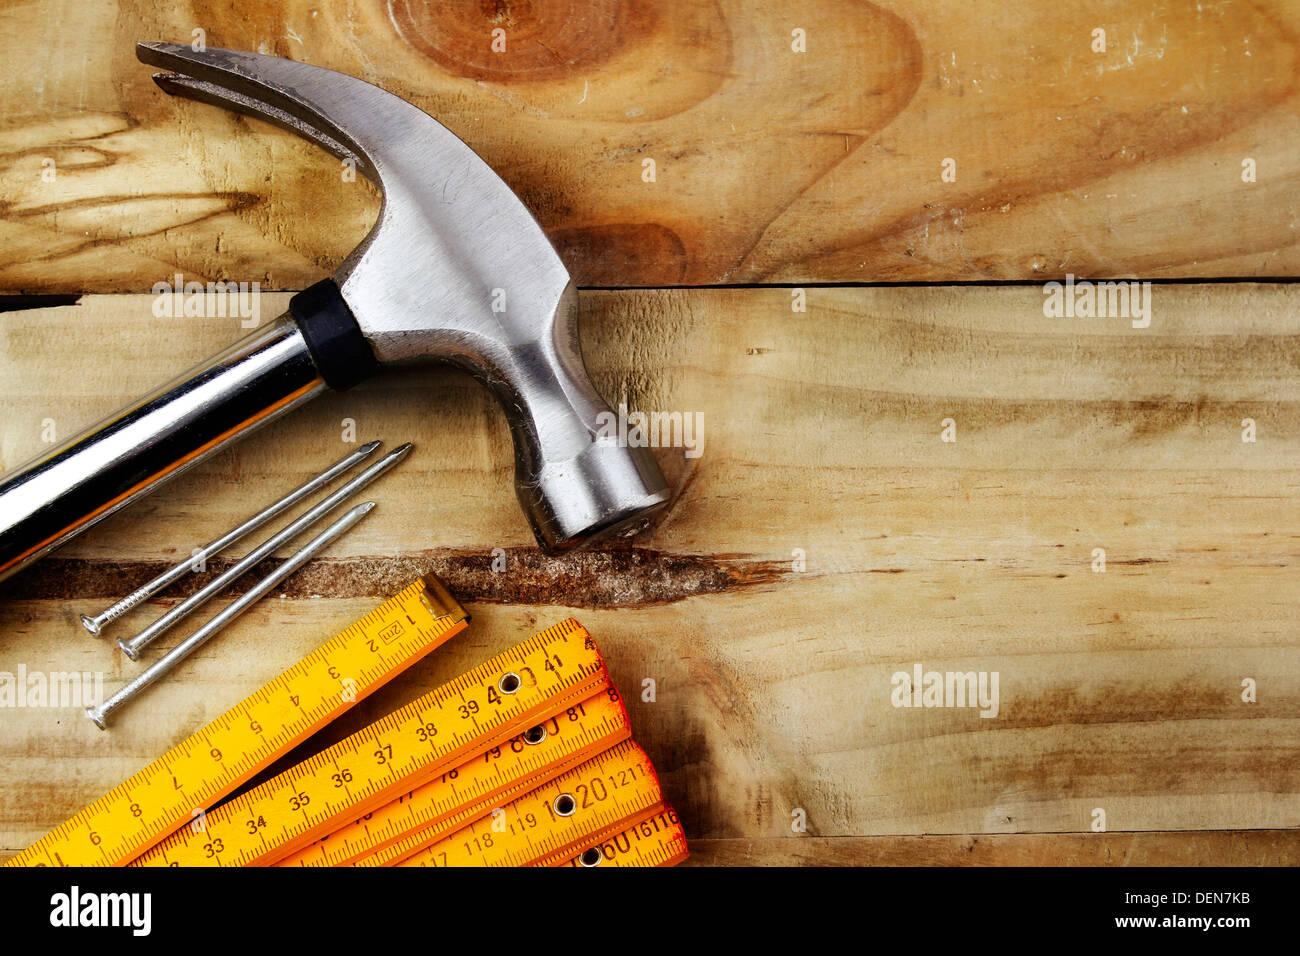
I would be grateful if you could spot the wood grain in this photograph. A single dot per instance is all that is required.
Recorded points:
(1118, 690)
(1221, 847)
(771, 165)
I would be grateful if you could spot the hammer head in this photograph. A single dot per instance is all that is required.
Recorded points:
(455, 269)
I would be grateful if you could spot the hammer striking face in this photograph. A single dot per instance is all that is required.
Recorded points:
(451, 247)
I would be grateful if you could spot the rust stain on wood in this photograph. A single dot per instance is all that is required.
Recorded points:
(635, 577)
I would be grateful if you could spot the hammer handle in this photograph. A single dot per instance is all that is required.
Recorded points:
(128, 454)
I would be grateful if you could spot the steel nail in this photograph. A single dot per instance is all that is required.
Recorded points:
(95, 625)
(132, 646)
(101, 712)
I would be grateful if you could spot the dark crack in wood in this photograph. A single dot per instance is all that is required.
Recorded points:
(634, 577)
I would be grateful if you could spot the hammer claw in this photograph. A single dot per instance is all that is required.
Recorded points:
(455, 269)
(206, 92)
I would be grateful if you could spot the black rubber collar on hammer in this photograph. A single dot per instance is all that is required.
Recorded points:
(341, 353)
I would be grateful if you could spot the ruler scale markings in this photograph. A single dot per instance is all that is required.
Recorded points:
(422, 815)
(598, 826)
(409, 804)
(659, 841)
(529, 722)
(393, 854)
(112, 829)
(538, 831)
(402, 763)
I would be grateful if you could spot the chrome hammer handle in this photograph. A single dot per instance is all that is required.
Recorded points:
(128, 454)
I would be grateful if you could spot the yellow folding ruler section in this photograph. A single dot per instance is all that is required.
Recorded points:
(659, 841)
(213, 762)
(482, 708)
(452, 799)
(583, 807)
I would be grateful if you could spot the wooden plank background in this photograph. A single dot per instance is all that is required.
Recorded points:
(826, 537)
(1118, 690)
(771, 165)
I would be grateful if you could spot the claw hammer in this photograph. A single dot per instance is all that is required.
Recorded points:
(419, 287)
